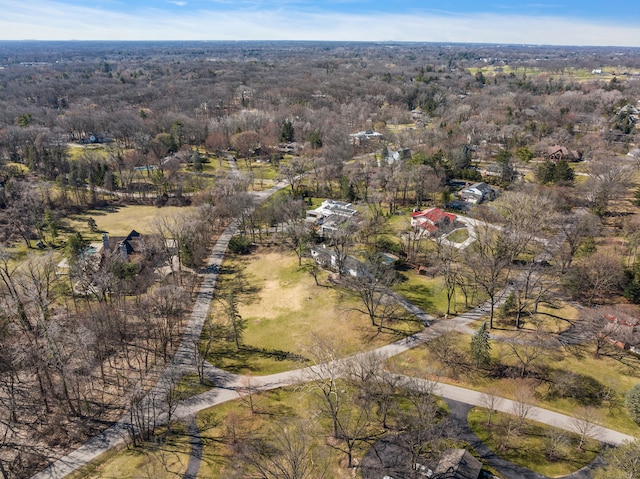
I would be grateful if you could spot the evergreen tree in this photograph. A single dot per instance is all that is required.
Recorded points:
(480, 346)
(563, 174)
(287, 132)
(632, 403)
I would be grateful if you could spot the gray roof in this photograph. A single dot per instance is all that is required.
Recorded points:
(457, 464)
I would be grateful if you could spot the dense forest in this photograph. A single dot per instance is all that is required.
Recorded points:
(91, 126)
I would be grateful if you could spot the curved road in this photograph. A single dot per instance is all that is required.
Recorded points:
(230, 384)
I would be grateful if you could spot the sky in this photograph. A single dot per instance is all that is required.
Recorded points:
(552, 22)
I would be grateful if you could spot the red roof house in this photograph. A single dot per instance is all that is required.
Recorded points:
(432, 219)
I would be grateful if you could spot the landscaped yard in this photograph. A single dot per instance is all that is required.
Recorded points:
(430, 294)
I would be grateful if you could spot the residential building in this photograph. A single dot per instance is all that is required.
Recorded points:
(330, 215)
(432, 219)
(477, 193)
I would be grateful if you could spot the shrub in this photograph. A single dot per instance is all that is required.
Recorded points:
(239, 245)
(632, 403)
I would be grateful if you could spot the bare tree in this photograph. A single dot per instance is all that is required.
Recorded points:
(324, 373)
(372, 287)
(285, 451)
(492, 403)
(584, 424)
(523, 405)
(572, 230)
(488, 262)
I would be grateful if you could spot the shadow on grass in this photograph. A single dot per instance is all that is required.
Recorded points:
(420, 296)
(237, 361)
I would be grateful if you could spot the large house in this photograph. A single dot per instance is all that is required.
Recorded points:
(432, 219)
(622, 330)
(557, 153)
(477, 193)
(363, 136)
(330, 215)
(328, 258)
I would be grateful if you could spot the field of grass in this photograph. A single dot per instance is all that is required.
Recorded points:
(531, 446)
(458, 236)
(120, 220)
(95, 151)
(284, 310)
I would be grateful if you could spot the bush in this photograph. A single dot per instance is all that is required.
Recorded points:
(632, 403)
(239, 245)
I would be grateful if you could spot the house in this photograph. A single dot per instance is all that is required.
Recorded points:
(635, 153)
(330, 215)
(396, 155)
(557, 153)
(623, 331)
(477, 193)
(363, 136)
(432, 219)
(332, 207)
(457, 464)
(328, 258)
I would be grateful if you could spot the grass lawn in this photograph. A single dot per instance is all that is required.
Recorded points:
(120, 220)
(166, 459)
(608, 371)
(532, 447)
(428, 293)
(95, 150)
(551, 318)
(220, 425)
(284, 310)
(458, 236)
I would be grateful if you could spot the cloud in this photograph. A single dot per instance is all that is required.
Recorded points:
(178, 3)
(47, 20)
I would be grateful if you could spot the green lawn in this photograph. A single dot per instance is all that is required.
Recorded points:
(534, 445)
(429, 293)
(458, 236)
(120, 220)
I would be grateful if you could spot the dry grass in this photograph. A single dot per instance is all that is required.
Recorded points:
(285, 310)
(611, 371)
(120, 220)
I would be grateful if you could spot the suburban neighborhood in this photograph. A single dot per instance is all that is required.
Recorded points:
(319, 260)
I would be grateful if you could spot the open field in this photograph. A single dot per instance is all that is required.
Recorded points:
(120, 220)
(285, 311)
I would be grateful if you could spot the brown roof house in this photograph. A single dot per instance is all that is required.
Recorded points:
(557, 153)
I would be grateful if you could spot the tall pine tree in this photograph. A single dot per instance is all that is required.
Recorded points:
(480, 346)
